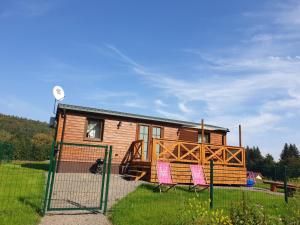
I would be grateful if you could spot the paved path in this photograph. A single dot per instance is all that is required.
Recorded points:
(84, 189)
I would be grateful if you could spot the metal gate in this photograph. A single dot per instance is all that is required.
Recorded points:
(78, 177)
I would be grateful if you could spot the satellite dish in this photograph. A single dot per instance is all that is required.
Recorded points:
(58, 93)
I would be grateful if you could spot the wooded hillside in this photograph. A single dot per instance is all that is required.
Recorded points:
(31, 139)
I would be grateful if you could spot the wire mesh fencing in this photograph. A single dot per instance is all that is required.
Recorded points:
(76, 179)
(232, 194)
(22, 186)
(88, 177)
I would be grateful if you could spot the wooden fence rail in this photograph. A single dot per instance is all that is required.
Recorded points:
(189, 152)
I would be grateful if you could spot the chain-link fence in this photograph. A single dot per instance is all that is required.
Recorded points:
(75, 178)
(82, 177)
(21, 188)
(260, 199)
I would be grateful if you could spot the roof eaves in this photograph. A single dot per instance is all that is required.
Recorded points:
(137, 116)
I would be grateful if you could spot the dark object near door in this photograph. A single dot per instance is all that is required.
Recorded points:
(97, 168)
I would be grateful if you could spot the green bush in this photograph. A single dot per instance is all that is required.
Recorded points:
(247, 213)
(31, 140)
(196, 212)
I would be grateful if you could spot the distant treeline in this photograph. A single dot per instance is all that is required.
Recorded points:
(268, 167)
(31, 140)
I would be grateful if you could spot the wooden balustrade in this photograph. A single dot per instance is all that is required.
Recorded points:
(189, 152)
(177, 151)
(137, 152)
(224, 155)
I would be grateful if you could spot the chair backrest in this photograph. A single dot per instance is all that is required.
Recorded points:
(163, 172)
(198, 175)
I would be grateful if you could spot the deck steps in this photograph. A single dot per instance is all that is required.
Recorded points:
(135, 174)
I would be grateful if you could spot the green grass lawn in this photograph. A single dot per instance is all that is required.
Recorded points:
(143, 206)
(21, 192)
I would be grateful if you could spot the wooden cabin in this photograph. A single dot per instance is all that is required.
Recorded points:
(140, 141)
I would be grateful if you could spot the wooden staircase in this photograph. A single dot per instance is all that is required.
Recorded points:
(135, 175)
(134, 172)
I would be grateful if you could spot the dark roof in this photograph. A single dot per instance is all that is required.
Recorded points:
(137, 116)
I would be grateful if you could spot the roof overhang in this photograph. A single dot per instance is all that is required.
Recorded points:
(140, 117)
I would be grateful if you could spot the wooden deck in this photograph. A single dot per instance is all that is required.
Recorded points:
(229, 161)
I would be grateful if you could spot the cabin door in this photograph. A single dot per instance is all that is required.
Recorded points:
(146, 133)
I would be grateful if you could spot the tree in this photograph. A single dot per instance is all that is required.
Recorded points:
(290, 157)
(268, 166)
(254, 158)
(289, 152)
(5, 136)
(21, 134)
(41, 146)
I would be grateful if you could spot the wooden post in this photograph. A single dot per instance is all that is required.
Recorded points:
(240, 135)
(202, 143)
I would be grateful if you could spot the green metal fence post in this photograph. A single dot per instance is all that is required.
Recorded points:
(53, 175)
(48, 178)
(211, 193)
(285, 186)
(103, 177)
(107, 179)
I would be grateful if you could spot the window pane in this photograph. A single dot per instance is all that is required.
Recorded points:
(199, 138)
(206, 138)
(93, 129)
(158, 132)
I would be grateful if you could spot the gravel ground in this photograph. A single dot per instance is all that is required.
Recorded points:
(78, 189)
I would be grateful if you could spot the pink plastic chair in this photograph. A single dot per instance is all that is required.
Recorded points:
(163, 171)
(198, 176)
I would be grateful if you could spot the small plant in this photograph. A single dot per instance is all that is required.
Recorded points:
(197, 212)
(251, 214)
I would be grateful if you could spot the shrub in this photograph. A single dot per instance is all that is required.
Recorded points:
(196, 212)
(252, 214)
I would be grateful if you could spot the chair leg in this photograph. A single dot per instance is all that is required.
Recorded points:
(156, 188)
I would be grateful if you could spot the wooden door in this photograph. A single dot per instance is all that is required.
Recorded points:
(147, 133)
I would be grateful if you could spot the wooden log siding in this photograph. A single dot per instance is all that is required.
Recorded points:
(188, 135)
(120, 138)
(216, 138)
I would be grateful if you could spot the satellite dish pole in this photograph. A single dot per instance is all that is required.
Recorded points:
(59, 95)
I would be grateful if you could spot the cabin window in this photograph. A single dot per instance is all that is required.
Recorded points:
(156, 133)
(94, 129)
(206, 138)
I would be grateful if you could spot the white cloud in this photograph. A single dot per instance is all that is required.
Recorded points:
(255, 82)
(183, 108)
(160, 103)
(172, 115)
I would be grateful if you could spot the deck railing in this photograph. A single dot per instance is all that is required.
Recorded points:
(176, 151)
(179, 151)
(189, 152)
(138, 150)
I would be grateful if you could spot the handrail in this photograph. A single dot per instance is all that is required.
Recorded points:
(182, 151)
(190, 152)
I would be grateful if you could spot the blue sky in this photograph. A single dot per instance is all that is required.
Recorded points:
(228, 62)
